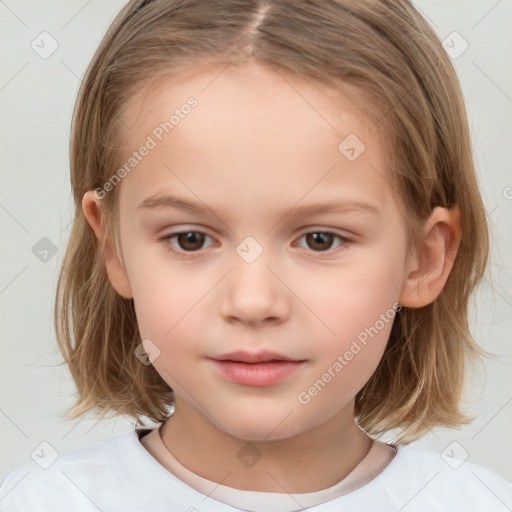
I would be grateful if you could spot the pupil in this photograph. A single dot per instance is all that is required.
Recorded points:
(319, 239)
(191, 240)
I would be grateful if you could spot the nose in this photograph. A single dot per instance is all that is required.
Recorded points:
(253, 294)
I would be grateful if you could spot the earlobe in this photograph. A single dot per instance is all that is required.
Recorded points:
(426, 274)
(91, 207)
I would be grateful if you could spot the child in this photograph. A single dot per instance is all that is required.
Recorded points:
(264, 129)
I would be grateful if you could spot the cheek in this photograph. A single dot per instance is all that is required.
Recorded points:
(161, 295)
(352, 299)
(344, 364)
(164, 308)
(355, 315)
(170, 306)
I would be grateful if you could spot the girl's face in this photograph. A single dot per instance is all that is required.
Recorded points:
(245, 161)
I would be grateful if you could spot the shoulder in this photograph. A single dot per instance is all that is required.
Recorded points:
(447, 482)
(79, 477)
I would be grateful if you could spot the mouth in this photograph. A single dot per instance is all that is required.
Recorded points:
(256, 369)
(265, 356)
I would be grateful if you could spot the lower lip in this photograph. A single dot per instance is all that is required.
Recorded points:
(257, 374)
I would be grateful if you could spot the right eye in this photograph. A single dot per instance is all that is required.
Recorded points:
(187, 241)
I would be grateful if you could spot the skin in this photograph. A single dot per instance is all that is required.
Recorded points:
(255, 145)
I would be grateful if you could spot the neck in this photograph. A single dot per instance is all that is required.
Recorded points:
(293, 465)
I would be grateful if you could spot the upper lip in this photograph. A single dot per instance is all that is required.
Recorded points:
(254, 357)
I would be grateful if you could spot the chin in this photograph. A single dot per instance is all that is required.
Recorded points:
(264, 427)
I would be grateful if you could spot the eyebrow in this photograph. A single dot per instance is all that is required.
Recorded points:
(169, 201)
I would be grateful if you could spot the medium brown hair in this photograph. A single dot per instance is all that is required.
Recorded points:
(389, 53)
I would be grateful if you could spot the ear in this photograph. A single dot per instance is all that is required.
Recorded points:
(426, 277)
(91, 206)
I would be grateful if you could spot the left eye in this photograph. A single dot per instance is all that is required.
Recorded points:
(322, 240)
(192, 241)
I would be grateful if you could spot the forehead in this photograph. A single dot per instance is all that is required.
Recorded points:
(254, 86)
(254, 132)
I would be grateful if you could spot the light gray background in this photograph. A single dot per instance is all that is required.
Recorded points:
(37, 96)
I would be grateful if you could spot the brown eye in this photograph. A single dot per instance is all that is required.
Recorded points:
(190, 241)
(320, 241)
(323, 241)
(185, 241)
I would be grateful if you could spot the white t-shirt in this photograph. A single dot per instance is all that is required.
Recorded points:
(120, 474)
(377, 458)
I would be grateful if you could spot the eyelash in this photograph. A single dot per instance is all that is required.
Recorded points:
(166, 242)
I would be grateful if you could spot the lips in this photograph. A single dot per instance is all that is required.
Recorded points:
(265, 356)
(257, 369)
